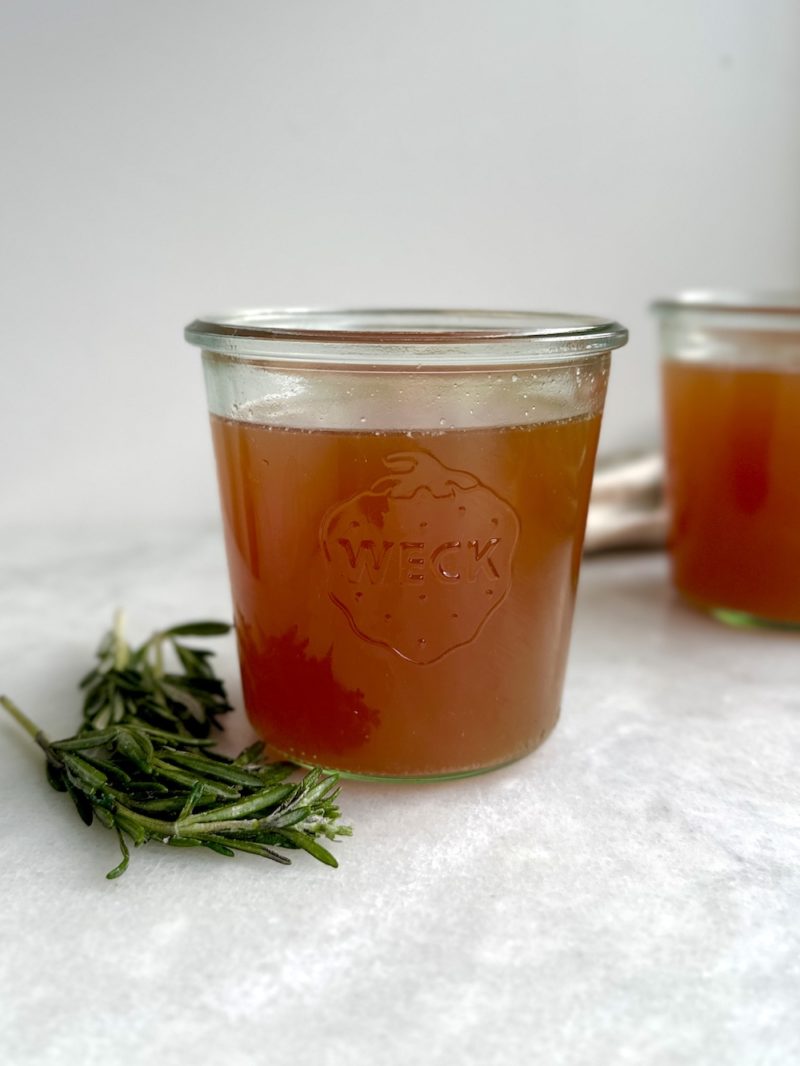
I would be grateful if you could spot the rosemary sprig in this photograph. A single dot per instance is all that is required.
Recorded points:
(141, 761)
(134, 682)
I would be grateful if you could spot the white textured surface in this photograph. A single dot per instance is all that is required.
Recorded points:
(629, 894)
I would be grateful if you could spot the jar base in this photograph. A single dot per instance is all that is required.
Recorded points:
(745, 620)
(411, 778)
(737, 619)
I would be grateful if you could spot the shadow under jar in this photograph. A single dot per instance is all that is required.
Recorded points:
(404, 496)
(731, 386)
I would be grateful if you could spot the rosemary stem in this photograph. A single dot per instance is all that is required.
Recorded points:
(154, 825)
(188, 828)
(120, 647)
(22, 718)
(158, 649)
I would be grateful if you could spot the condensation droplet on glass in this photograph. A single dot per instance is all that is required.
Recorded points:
(515, 377)
(442, 421)
(362, 420)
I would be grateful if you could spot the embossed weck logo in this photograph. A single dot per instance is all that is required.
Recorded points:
(419, 560)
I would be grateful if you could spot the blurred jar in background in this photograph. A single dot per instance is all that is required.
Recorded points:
(731, 386)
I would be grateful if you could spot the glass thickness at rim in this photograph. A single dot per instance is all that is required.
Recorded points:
(724, 301)
(406, 337)
(696, 312)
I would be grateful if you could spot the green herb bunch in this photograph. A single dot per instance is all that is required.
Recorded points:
(142, 764)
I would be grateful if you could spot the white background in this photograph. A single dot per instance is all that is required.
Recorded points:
(167, 158)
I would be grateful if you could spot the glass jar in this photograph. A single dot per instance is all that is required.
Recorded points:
(404, 496)
(731, 386)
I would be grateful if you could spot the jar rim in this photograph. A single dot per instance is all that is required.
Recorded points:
(405, 336)
(727, 301)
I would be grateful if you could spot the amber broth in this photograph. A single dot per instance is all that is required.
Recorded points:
(403, 601)
(733, 443)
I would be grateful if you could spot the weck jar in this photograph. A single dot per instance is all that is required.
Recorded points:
(404, 496)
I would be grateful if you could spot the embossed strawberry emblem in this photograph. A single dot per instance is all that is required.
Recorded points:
(419, 560)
